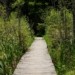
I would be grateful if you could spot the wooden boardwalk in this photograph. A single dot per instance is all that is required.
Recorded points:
(36, 61)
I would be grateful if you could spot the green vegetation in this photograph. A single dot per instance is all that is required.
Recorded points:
(53, 18)
(10, 51)
(59, 38)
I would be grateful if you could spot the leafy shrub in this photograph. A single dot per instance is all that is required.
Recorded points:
(59, 39)
(10, 51)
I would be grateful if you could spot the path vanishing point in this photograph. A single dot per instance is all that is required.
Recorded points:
(36, 61)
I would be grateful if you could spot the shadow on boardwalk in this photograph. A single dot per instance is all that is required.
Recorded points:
(36, 61)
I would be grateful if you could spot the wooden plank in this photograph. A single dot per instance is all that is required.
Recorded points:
(36, 61)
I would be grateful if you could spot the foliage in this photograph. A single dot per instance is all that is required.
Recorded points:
(10, 51)
(59, 39)
(16, 35)
(40, 29)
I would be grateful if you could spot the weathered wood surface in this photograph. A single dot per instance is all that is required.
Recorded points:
(36, 61)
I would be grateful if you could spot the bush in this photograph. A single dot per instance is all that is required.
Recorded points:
(10, 51)
(59, 39)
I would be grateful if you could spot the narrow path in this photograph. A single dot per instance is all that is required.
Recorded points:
(36, 61)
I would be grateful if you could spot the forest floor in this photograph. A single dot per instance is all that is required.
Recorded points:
(36, 61)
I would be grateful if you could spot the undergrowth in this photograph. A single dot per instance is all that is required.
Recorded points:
(60, 41)
(10, 50)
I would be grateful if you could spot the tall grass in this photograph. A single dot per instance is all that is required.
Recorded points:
(60, 40)
(10, 51)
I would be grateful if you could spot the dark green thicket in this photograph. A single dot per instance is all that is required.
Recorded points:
(30, 8)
